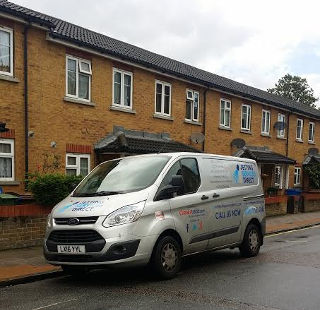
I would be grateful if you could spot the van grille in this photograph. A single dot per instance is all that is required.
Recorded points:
(74, 236)
(82, 220)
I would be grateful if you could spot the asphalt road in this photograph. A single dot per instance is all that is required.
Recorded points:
(285, 275)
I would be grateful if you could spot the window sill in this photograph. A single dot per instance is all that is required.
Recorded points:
(122, 109)
(299, 140)
(281, 138)
(9, 78)
(9, 183)
(78, 101)
(265, 135)
(248, 132)
(188, 121)
(225, 128)
(310, 142)
(165, 117)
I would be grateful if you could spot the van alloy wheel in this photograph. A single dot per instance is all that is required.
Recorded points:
(169, 257)
(251, 242)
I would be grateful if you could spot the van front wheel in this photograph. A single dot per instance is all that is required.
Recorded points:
(166, 258)
(251, 241)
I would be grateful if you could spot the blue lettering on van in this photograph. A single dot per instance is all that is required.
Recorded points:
(254, 210)
(81, 206)
(248, 173)
(227, 214)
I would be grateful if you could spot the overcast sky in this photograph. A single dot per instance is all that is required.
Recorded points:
(250, 41)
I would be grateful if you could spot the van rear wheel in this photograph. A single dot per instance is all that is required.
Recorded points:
(251, 241)
(166, 258)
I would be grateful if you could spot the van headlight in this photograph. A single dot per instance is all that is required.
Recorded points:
(124, 215)
(49, 220)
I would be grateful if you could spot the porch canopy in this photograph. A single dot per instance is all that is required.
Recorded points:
(125, 142)
(264, 155)
(311, 159)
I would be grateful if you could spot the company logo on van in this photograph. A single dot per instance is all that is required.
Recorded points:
(82, 206)
(248, 173)
(235, 175)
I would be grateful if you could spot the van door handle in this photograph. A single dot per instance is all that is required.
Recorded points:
(215, 195)
(204, 197)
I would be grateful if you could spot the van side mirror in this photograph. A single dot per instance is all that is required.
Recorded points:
(176, 185)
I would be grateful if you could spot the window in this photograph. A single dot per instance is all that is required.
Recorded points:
(297, 176)
(192, 106)
(278, 176)
(77, 164)
(163, 98)
(225, 113)
(281, 132)
(311, 132)
(265, 125)
(245, 117)
(299, 129)
(6, 160)
(78, 78)
(122, 88)
(6, 51)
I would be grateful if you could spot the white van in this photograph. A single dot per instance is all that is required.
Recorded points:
(155, 209)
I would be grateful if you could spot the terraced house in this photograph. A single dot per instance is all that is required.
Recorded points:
(83, 97)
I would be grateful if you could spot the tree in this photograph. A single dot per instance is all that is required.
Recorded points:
(295, 88)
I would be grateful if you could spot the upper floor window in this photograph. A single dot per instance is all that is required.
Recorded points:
(122, 88)
(299, 129)
(225, 113)
(282, 119)
(6, 51)
(245, 117)
(297, 176)
(78, 78)
(6, 160)
(192, 106)
(311, 132)
(163, 98)
(77, 164)
(265, 125)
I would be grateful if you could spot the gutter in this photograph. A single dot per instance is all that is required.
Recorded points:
(26, 103)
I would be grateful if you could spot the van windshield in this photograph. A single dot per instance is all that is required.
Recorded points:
(122, 176)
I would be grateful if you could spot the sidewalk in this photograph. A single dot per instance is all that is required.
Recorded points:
(23, 265)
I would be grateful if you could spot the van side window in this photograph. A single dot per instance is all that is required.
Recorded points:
(191, 175)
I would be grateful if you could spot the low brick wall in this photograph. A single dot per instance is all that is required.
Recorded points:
(276, 205)
(22, 225)
(311, 202)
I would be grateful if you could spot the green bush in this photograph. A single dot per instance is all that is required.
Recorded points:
(313, 172)
(49, 189)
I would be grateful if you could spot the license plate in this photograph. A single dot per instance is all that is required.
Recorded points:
(71, 249)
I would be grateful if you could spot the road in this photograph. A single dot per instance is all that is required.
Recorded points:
(285, 275)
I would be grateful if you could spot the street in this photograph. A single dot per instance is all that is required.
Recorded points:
(285, 275)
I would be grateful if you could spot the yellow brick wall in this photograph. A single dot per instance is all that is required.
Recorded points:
(53, 119)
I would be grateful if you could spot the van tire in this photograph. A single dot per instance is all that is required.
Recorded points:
(166, 258)
(251, 241)
(78, 272)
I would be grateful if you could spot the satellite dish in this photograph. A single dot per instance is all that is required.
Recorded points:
(279, 125)
(313, 151)
(239, 143)
(197, 137)
(3, 127)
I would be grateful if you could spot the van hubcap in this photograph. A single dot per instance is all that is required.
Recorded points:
(253, 240)
(169, 257)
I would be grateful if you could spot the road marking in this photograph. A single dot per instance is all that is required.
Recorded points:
(291, 231)
(54, 304)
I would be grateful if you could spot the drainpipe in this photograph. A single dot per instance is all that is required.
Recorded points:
(26, 114)
(287, 142)
(204, 117)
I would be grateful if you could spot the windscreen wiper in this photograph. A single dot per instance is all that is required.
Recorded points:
(101, 193)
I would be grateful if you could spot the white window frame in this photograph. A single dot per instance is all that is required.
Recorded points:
(78, 70)
(281, 133)
(281, 176)
(297, 176)
(10, 31)
(192, 104)
(162, 98)
(299, 138)
(8, 155)
(265, 123)
(313, 132)
(224, 125)
(248, 120)
(77, 165)
(122, 105)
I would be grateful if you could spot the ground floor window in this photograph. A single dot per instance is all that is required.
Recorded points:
(278, 176)
(297, 176)
(6, 160)
(77, 164)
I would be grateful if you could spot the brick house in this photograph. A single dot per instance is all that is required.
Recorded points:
(80, 97)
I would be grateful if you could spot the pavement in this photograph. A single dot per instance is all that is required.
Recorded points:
(28, 264)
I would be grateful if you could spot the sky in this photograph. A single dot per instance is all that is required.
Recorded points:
(250, 41)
